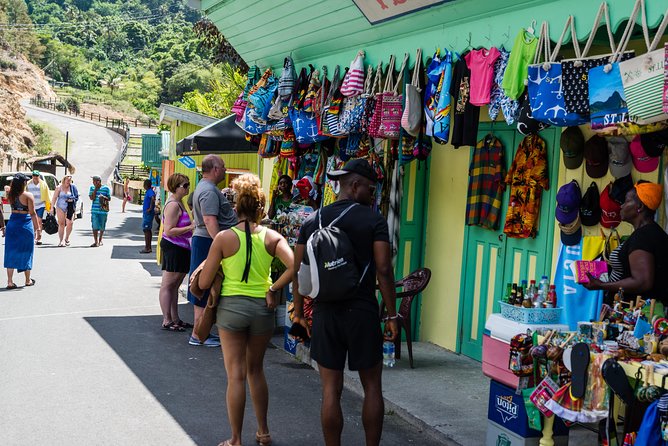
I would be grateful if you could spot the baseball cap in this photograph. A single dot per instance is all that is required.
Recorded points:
(596, 156)
(655, 143)
(571, 233)
(96, 178)
(641, 160)
(568, 202)
(572, 145)
(358, 166)
(35, 173)
(610, 216)
(620, 157)
(620, 187)
(590, 208)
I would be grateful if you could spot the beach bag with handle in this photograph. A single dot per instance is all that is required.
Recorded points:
(665, 79)
(376, 114)
(545, 88)
(643, 78)
(411, 119)
(329, 121)
(286, 83)
(607, 97)
(352, 108)
(392, 104)
(575, 72)
(353, 81)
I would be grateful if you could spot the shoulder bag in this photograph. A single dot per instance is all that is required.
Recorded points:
(411, 119)
(353, 81)
(392, 105)
(203, 326)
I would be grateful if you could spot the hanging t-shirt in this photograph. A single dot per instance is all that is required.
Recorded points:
(466, 115)
(486, 184)
(481, 63)
(527, 177)
(522, 54)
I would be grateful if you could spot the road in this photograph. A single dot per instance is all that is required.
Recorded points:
(83, 359)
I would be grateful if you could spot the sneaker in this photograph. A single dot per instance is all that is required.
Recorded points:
(210, 342)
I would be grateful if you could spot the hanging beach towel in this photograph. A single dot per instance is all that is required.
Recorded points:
(545, 88)
(411, 120)
(434, 74)
(353, 81)
(441, 128)
(575, 72)
(643, 79)
(286, 83)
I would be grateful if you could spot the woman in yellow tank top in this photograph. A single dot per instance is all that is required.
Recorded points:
(245, 316)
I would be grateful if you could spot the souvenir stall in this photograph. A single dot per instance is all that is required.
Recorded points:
(579, 351)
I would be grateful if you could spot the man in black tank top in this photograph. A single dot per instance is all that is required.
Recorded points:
(351, 327)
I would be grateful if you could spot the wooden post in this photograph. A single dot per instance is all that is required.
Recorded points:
(548, 426)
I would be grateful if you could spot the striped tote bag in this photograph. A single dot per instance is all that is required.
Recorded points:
(642, 78)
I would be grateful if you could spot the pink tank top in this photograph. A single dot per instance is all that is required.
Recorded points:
(182, 240)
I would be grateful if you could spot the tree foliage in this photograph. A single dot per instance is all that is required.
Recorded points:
(146, 51)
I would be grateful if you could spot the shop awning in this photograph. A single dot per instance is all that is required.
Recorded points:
(222, 136)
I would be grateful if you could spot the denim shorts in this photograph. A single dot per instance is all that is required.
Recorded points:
(242, 313)
(98, 221)
(147, 222)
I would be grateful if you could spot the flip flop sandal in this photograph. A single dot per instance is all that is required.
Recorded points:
(227, 443)
(13, 286)
(172, 327)
(182, 324)
(31, 283)
(579, 364)
(263, 439)
(615, 376)
(67, 243)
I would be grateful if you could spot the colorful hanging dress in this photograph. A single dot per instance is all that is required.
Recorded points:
(486, 183)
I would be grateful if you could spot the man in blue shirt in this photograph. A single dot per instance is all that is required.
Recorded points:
(148, 214)
(100, 195)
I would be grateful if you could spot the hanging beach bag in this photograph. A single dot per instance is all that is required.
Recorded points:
(250, 125)
(545, 88)
(411, 119)
(329, 122)
(286, 83)
(352, 108)
(575, 72)
(377, 114)
(299, 92)
(268, 147)
(321, 95)
(353, 81)
(311, 91)
(665, 79)
(643, 80)
(252, 78)
(370, 103)
(288, 145)
(262, 97)
(239, 107)
(305, 126)
(392, 105)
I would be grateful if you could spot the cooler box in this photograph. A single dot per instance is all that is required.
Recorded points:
(496, 346)
(507, 420)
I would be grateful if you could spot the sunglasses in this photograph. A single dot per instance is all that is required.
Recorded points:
(185, 185)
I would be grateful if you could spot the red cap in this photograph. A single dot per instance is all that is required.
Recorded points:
(610, 210)
(641, 160)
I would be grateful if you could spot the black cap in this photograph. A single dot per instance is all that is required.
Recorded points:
(620, 187)
(20, 176)
(596, 156)
(654, 143)
(358, 166)
(590, 206)
(572, 144)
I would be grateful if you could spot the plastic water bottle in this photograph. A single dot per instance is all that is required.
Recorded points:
(544, 286)
(388, 354)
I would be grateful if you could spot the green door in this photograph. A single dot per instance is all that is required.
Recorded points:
(491, 259)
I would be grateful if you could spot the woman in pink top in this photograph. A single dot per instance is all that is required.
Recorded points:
(175, 248)
(481, 64)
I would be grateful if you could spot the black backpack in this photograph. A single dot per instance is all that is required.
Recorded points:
(334, 275)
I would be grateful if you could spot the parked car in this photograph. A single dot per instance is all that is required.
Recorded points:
(5, 178)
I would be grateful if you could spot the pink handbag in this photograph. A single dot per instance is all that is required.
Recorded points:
(376, 113)
(391, 105)
(353, 82)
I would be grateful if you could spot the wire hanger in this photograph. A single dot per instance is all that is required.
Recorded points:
(468, 44)
(531, 29)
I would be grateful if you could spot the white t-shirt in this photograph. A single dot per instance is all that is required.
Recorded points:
(36, 191)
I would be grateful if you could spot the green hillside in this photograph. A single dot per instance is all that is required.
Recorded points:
(145, 52)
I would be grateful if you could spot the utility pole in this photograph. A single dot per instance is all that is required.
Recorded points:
(67, 141)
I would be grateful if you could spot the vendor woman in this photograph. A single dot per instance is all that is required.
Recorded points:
(282, 196)
(640, 264)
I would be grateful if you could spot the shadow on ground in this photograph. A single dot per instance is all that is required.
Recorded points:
(190, 383)
(130, 228)
(152, 268)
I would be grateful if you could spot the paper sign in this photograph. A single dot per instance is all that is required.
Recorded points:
(377, 11)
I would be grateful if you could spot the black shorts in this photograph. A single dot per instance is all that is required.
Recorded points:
(340, 331)
(71, 209)
(175, 259)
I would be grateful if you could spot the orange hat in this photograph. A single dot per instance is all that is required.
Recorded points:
(650, 194)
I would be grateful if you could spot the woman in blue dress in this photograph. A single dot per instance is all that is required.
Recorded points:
(20, 231)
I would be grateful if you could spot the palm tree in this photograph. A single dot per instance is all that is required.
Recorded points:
(112, 80)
